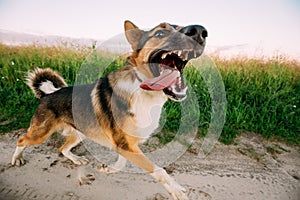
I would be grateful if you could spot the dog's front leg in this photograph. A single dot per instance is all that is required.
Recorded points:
(136, 156)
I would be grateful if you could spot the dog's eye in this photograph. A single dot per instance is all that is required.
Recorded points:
(159, 34)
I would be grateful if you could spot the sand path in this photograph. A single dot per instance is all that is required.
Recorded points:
(253, 169)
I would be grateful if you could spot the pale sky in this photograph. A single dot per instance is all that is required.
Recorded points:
(266, 26)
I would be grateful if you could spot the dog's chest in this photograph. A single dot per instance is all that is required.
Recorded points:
(146, 109)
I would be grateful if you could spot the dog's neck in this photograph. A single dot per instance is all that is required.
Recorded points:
(143, 72)
(131, 60)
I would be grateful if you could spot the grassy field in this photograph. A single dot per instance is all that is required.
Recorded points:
(263, 96)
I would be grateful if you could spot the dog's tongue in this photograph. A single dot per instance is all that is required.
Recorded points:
(161, 82)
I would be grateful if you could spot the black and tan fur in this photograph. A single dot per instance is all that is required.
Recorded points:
(115, 111)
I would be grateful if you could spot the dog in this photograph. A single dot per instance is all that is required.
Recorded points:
(116, 111)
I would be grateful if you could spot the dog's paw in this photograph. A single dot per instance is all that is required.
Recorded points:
(177, 192)
(86, 179)
(18, 161)
(80, 160)
(107, 169)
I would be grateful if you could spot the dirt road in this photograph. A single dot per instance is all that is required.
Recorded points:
(253, 169)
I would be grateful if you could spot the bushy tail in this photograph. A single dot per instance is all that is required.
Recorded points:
(44, 81)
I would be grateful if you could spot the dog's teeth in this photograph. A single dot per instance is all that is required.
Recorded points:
(195, 54)
(179, 53)
(179, 80)
(164, 55)
(184, 55)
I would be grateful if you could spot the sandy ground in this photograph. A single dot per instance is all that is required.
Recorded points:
(252, 169)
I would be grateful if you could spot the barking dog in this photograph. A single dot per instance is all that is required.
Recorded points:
(115, 110)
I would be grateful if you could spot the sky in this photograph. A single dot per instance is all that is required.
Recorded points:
(259, 26)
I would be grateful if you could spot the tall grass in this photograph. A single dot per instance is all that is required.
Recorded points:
(262, 96)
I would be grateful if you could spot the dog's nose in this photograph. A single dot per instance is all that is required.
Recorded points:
(197, 32)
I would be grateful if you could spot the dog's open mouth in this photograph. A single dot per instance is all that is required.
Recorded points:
(167, 66)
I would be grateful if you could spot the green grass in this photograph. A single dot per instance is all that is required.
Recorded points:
(262, 96)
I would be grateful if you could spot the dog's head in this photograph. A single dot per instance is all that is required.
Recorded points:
(165, 47)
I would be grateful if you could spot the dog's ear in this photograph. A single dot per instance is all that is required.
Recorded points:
(133, 34)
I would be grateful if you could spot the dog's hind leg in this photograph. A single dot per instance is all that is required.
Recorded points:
(40, 129)
(17, 158)
(72, 139)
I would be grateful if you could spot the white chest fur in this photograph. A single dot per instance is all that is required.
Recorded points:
(146, 108)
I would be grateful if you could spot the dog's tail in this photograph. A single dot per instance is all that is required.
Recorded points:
(44, 81)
